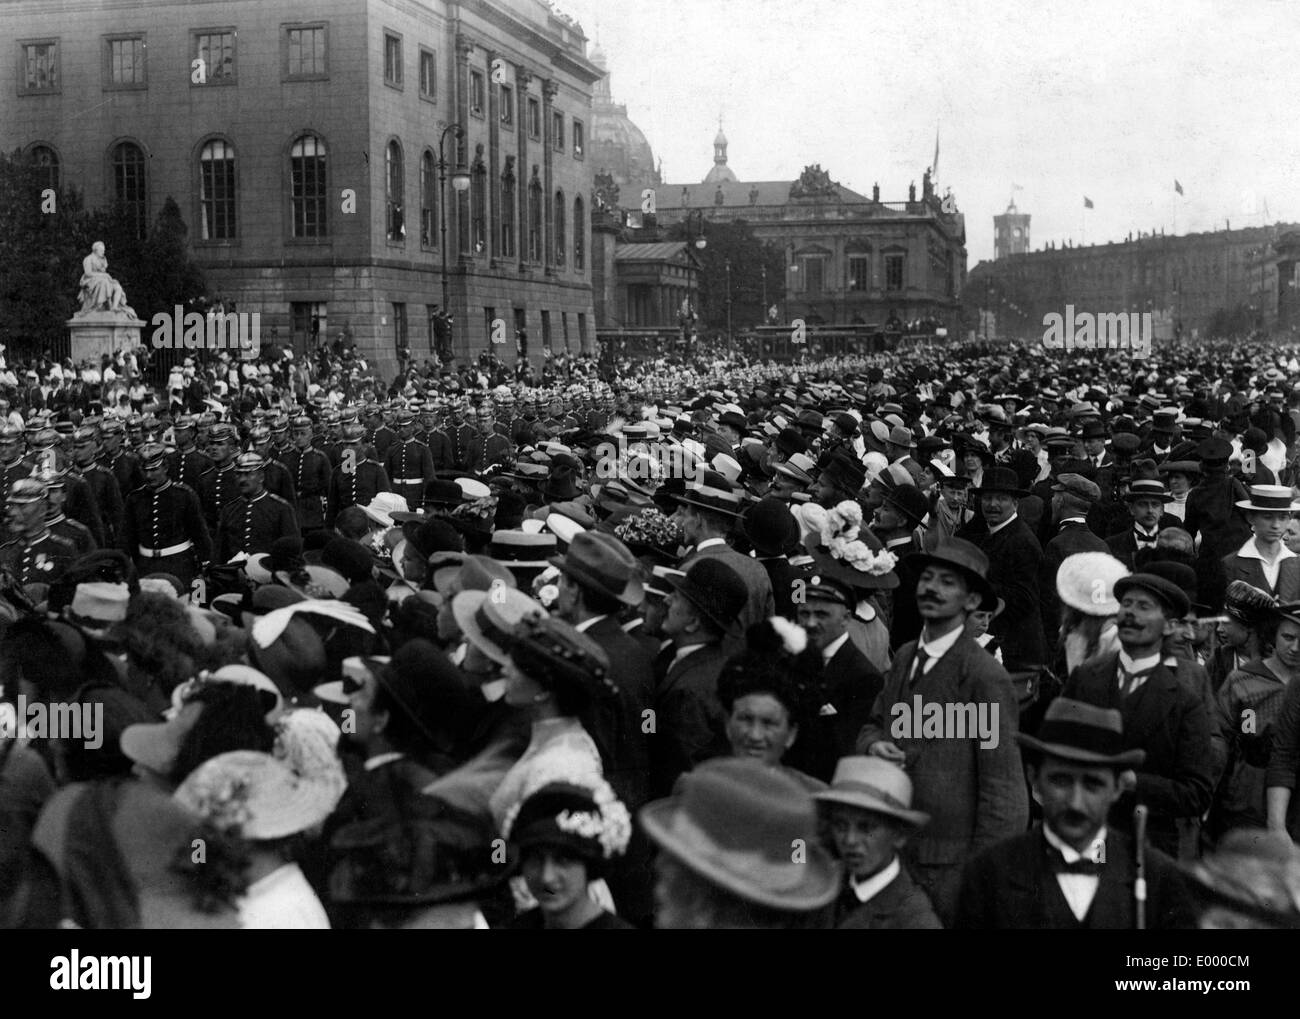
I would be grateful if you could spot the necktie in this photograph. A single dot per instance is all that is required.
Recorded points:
(1128, 681)
(918, 664)
(1083, 865)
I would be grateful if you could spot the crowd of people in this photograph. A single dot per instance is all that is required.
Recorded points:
(950, 636)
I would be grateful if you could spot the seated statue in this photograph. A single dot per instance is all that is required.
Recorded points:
(99, 291)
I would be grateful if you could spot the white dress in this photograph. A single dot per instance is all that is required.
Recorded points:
(283, 900)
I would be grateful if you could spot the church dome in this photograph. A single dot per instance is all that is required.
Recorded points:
(720, 174)
(617, 145)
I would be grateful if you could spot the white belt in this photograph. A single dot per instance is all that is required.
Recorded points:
(162, 553)
(408, 481)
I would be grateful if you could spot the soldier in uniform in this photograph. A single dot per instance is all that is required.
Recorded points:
(378, 434)
(102, 482)
(254, 521)
(79, 501)
(33, 554)
(358, 479)
(163, 530)
(124, 465)
(464, 445)
(13, 465)
(526, 430)
(331, 443)
(409, 463)
(281, 447)
(497, 447)
(310, 469)
(217, 489)
(188, 463)
(58, 522)
(278, 479)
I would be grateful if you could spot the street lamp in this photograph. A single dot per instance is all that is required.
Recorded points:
(459, 183)
(727, 263)
(696, 238)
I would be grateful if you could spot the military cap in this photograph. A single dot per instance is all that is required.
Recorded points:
(222, 433)
(353, 432)
(10, 433)
(184, 422)
(246, 463)
(84, 436)
(259, 433)
(152, 454)
(300, 422)
(45, 438)
(113, 426)
(26, 490)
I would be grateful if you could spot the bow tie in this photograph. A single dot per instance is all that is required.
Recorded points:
(1144, 540)
(1082, 865)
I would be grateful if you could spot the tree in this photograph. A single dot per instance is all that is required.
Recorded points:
(162, 273)
(735, 243)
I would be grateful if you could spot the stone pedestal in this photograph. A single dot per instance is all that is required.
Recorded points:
(102, 332)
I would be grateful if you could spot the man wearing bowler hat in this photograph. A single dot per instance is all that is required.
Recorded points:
(1264, 561)
(703, 606)
(868, 808)
(1015, 558)
(973, 789)
(1162, 715)
(1073, 871)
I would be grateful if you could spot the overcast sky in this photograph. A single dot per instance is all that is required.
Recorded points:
(1112, 99)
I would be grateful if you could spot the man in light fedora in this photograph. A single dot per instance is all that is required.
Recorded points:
(1073, 871)
(973, 789)
(738, 848)
(1162, 715)
(869, 811)
(1264, 561)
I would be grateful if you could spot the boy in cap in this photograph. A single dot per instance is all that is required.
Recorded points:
(1073, 871)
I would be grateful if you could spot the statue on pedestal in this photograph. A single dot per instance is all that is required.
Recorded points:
(99, 291)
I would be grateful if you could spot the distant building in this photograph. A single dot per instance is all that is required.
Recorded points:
(1010, 232)
(618, 148)
(1182, 281)
(300, 138)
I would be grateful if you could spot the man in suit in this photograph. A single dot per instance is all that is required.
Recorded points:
(1005, 452)
(1211, 506)
(1146, 504)
(972, 788)
(868, 809)
(771, 529)
(1094, 445)
(851, 683)
(706, 514)
(1015, 558)
(1073, 496)
(1264, 561)
(1073, 871)
(1162, 716)
(691, 725)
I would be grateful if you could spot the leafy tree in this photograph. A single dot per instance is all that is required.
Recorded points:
(735, 243)
(162, 273)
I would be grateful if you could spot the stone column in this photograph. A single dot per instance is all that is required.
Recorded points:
(522, 81)
(550, 89)
(460, 199)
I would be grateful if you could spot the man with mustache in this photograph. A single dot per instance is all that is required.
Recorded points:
(1162, 715)
(1073, 871)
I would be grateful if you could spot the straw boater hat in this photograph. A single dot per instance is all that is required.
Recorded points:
(870, 783)
(1270, 499)
(1083, 733)
(732, 822)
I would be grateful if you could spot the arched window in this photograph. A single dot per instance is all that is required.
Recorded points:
(217, 191)
(130, 185)
(579, 234)
(307, 187)
(508, 212)
(396, 227)
(561, 213)
(46, 160)
(478, 207)
(428, 201)
(535, 220)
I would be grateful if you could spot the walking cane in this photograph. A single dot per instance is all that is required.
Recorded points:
(1140, 884)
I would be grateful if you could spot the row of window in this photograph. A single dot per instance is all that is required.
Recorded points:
(478, 104)
(809, 273)
(308, 324)
(308, 198)
(303, 56)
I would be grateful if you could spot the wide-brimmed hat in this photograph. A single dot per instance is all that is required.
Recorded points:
(284, 554)
(521, 550)
(603, 564)
(314, 581)
(1000, 479)
(487, 618)
(1270, 499)
(962, 555)
(798, 468)
(97, 605)
(1252, 871)
(381, 508)
(1247, 603)
(770, 526)
(1085, 582)
(716, 590)
(561, 656)
(471, 573)
(871, 783)
(593, 826)
(910, 501)
(733, 820)
(1084, 733)
(258, 795)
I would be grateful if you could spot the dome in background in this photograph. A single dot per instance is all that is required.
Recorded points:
(617, 145)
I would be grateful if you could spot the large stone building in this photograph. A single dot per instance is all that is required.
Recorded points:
(1011, 232)
(1183, 281)
(301, 141)
(848, 258)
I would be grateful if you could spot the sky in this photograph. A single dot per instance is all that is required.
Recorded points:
(1110, 100)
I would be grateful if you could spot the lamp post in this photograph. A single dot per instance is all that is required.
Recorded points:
(763, 273)
(460, 184)
(694, 234)
(727, 263)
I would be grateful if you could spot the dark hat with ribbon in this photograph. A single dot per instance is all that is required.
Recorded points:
(1083, 733)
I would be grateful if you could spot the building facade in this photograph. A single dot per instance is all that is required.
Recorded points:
(1010, 232)
(302, 143)
(1184, 282)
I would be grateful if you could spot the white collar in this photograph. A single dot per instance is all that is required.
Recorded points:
(1132, 665)
(1251, 551)
(1096, 851)
(682, 652)
(940, 646)
(493, 691)
(868, 888)
(710, 541)
(587, 624)
(831, 649)
(1010, 520)
(379, 760)
(1073, 520)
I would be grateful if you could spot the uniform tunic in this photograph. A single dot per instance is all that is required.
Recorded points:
(356, 488)
(409, 465)
(41, 561)
(166, 520)
(310, 469)
(108, 497)
(251, 525)
(217, 489)
(463, 449)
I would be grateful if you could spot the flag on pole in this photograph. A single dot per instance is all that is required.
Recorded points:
(1178, 187)
(934, 167)
(1087, 202)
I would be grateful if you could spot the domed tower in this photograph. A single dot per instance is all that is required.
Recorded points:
(721, 172)
(617, 145)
